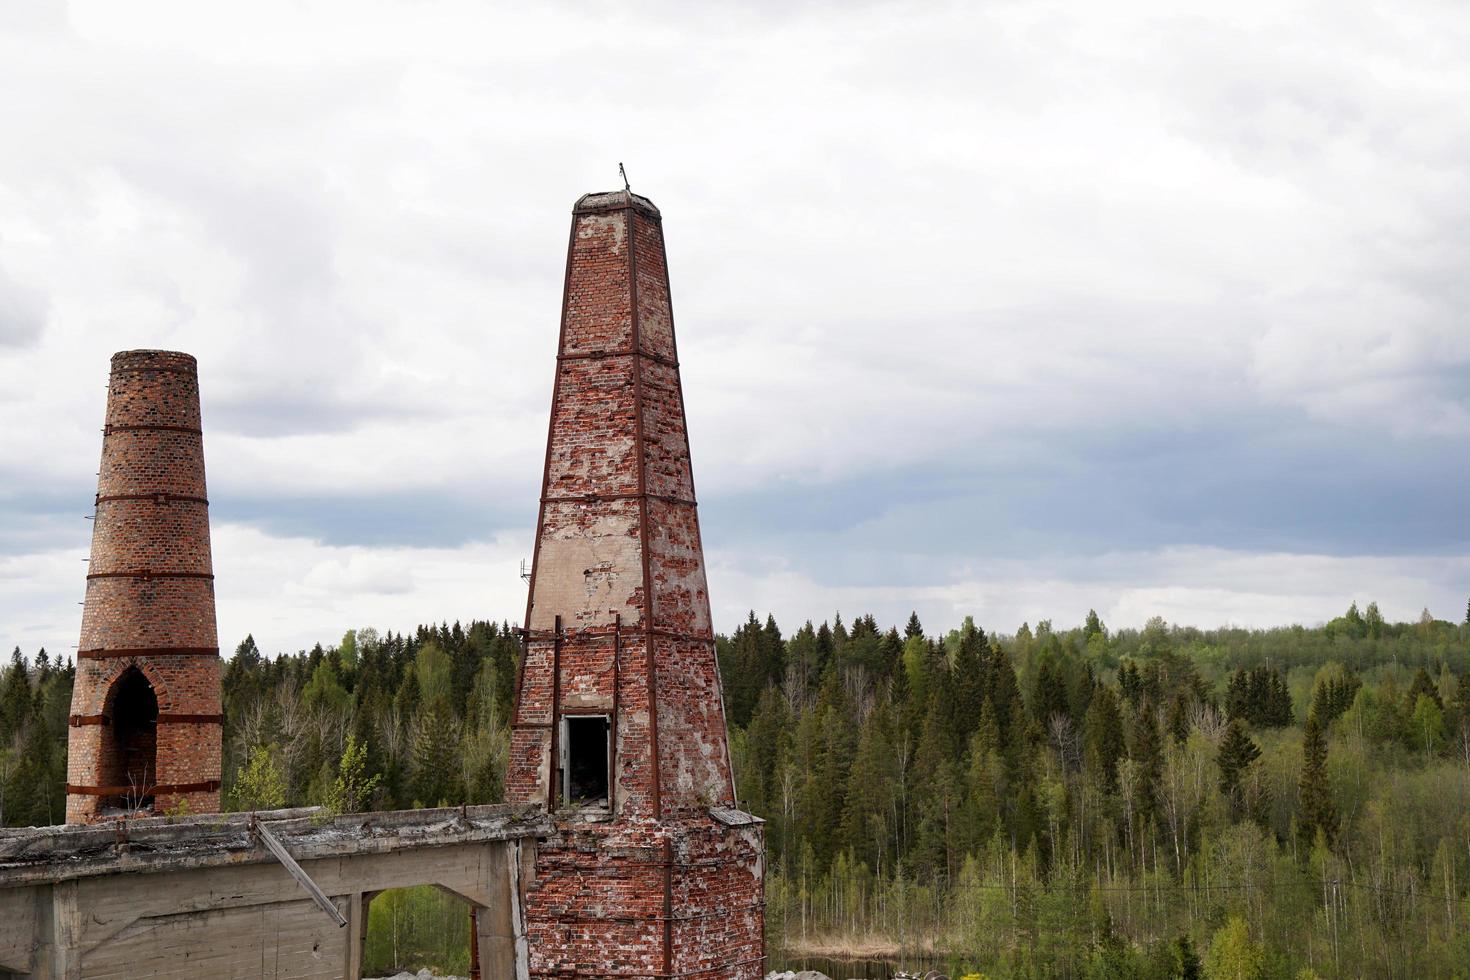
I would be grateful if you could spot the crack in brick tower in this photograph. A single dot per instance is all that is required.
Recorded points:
(145, 710)
(619, 726)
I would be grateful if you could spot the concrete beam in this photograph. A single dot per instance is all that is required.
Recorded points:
(48, 854)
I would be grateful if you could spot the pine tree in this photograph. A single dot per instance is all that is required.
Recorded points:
(1317, 809)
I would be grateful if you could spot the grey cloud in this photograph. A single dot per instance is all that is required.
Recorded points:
(23, 313)
(954, 283)
(428, 520)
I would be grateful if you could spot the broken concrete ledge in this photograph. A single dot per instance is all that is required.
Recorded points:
(44, 855)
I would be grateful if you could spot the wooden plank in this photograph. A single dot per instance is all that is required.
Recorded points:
(302, 878)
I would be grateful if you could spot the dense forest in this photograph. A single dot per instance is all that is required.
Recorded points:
(1164, 802)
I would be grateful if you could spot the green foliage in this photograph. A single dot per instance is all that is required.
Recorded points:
(1260, 696)
(325, 690)
(1063, 802)
(1233, 954)
(1237, 752)
(410, 929)
(433, 672)
(261, 785)
(1318, 812)
(354, 787)
(1333, 693)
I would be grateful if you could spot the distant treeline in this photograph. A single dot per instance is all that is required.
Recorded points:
(1081, 802)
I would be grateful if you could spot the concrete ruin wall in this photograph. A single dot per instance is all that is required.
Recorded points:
(200, 898)
(150, 596)
(665, 880)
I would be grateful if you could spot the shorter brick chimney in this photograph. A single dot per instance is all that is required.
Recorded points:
(145, 711)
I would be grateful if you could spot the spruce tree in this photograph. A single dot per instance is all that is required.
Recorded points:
(1149, 763)
(1423, 685)
(1317, 810)
(867, 806)
(1005, 695)
(969, 680)
(1102, 737)
(1179, 717)
(1187, 965)
(1129, 682)
(1049, 698)
(1236, 754)
(15, 698)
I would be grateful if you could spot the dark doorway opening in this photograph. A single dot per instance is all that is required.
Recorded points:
(586, 759)
(134, 723)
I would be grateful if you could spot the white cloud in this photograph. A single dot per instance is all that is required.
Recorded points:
(1204, 587)
(293, 592)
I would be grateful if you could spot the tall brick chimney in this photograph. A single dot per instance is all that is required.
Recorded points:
(619, 728)
(145, 709)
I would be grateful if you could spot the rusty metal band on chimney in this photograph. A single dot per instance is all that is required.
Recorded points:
(110, 428)
(124, 652)
(147, 573)
(158, 498)
(206, 786)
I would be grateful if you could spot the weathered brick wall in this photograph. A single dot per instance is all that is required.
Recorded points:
(150, 591)
(679, 898)
(656, 885)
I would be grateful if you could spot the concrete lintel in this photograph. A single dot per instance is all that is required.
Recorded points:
(53, 854)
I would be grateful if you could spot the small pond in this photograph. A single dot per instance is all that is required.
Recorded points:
(866, 969)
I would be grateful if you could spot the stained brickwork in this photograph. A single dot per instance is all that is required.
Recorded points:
(149, 605)
(664, 878)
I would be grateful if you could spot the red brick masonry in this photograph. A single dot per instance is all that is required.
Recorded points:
(666, 879)
(150, 596)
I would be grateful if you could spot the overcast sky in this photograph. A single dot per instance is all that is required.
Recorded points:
(1003, 309)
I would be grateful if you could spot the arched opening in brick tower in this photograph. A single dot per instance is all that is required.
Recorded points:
(131, 755)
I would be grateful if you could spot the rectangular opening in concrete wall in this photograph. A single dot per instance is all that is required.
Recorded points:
(414, 929)
(585, 762)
